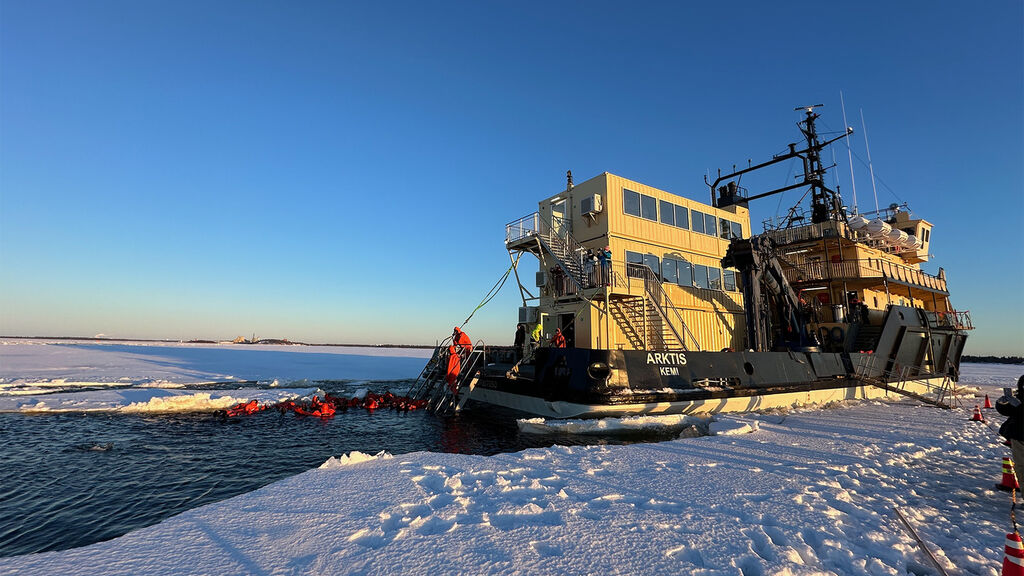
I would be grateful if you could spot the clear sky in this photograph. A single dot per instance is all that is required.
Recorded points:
(342, 172)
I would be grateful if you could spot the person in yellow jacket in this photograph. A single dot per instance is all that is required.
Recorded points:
(535, 336)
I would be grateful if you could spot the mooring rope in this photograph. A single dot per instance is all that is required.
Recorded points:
(490, 295)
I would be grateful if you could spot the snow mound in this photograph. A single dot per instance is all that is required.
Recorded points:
(354, 457)
(626, 424)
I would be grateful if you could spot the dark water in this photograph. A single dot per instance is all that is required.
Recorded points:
(69, 480)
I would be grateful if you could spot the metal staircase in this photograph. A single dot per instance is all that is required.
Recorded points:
(648, 321)
(432, 385)
(896, 380)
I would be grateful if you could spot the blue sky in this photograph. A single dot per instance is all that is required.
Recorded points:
(342, 172)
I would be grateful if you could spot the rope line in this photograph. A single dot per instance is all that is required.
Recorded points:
(490, 295)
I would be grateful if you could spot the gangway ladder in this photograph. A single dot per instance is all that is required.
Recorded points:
(432, 385)
(896, 381)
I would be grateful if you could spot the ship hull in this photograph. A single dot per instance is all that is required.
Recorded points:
(913, 356)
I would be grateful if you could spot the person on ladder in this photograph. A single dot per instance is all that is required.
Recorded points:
(461, 341)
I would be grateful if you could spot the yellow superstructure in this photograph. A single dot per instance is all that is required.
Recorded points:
(626, 266)
(679, 239)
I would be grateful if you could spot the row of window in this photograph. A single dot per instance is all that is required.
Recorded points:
(650, 208)
(676, 270)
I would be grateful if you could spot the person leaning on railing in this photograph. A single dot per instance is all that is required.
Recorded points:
(1013, 428)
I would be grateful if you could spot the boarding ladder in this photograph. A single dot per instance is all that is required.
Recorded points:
(896, 380)
(432, 385)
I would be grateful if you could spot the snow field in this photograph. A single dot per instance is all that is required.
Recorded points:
(795, 492)
(810, 492)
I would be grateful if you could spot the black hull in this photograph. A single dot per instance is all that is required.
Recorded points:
(911, 346)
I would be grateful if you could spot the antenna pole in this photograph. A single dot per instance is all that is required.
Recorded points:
(849, 154)
(870, 167)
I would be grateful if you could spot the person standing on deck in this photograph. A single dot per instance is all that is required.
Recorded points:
(535, 336)
(520, 342)
(558, 340)
(1013, 428)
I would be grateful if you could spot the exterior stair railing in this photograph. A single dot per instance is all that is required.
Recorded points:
(660, 300)
(555, 239)
(432, 385)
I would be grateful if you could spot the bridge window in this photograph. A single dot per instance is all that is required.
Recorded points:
(653, 263)
(698, 221)
(700, 276)
(714, 278)
(669, 270)
(668, 213)
(685, 271)
(737, 229)
(729, 280)
(682, 218)
(710, 224)
(648, 207)
(631, 202)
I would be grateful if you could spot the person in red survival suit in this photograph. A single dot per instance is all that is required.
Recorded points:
(558, 340)
(453, 368)
(462, 341)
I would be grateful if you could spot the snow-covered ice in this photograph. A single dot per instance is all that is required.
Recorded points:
(789, 492)
(156, 400)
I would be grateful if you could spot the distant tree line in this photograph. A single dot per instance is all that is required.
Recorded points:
(993, 359)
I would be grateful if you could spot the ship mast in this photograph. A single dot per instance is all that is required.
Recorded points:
(826, 204)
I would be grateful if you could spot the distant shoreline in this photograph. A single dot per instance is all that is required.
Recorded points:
(277, 342)
(268, 341)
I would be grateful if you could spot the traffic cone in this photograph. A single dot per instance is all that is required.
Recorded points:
(988, 403)
(1013, 561)
(1009, 481)
(977, 417)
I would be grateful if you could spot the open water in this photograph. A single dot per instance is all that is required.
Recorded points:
(72, 479)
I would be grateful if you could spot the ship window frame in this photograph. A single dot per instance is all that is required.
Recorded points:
(686, 217)
(670, 211)
(708, 218)
(626, 202)
(646, 206)
(695, 222)
(666, 264)
(700, 276)
(715, 278)
(736, 228)
(729, 280)
(688, 276)
(657, 263)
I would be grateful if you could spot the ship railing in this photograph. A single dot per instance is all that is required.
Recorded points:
(803, 233)
(956, 319)
(661, 301)
(524, 227)
(862, 268)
